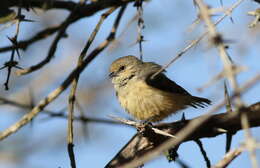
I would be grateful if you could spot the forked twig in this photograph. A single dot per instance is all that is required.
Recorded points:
(54, 94)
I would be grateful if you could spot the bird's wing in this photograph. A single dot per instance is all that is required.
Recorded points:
(161, 82)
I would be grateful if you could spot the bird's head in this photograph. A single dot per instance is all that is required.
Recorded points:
(124, 69)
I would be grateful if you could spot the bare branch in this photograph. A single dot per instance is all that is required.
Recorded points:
(135, 160)
(140, 148)
(204, 153)
(195, 42)
(53, 95)
(61, 114)
(229, 157)
(75, 82)
(84, 9)
(23, 44)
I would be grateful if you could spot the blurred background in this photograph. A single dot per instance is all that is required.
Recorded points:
(42, 143)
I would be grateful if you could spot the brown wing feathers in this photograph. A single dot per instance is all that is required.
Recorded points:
(163, 83)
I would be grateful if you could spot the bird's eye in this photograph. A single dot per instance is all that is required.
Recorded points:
(121, 68)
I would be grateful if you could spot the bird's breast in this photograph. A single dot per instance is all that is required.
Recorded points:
(145, 102)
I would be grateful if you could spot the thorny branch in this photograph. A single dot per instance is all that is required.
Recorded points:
(143, 145)
(229, 110)
(204, 154)
(196, 41)
(67, 22)
(52, 49)
(140, 25)
(77, 12)
(231, 155)
(75, 81)
(60, 114)
(53, 95)
(218, 41)
(84, 11)
(23, 44)
(12, 63)
(186, 131)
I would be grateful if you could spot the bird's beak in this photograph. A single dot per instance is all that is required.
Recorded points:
(112, 74)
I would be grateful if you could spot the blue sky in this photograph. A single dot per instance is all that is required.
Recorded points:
(43, 143)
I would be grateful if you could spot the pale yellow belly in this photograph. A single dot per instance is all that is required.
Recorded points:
(147, 103)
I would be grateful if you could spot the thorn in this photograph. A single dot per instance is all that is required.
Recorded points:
(231, 19)
(6, 86)
(21, 18)
(183, 118)
(18, 67)
(13, 40)
(221, 130)
(10, 64)
(227, 98)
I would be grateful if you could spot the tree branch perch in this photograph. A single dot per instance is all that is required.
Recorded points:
(139, 145)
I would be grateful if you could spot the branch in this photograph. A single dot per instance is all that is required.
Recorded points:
(83, 10)
(140, 145)
(61, 114)
(75, 81)
(187, 130)
(53, 47)
(196, 41)
(54, 94)
(23, 44)
(229, 157)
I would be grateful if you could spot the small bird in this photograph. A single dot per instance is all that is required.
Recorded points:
(146, 98)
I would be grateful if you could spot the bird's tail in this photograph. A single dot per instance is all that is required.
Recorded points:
(199, 102)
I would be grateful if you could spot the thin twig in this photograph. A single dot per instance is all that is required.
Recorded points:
(139, 145)
(70, 144)
(250, 142)
(228, 67)
(229, 109)
(54, 94)
(141, 125)
(85, 10)
(203, 152)
(194, 42)
(186, 131)
(23, 44)
(12, 63)
(74, 87)
(221, 75)
(61, 114)
(72, 18)
(65, 24)
(217, 40)
(229, 157)
(140, 25)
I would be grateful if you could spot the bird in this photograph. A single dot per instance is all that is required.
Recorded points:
(147, 97)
